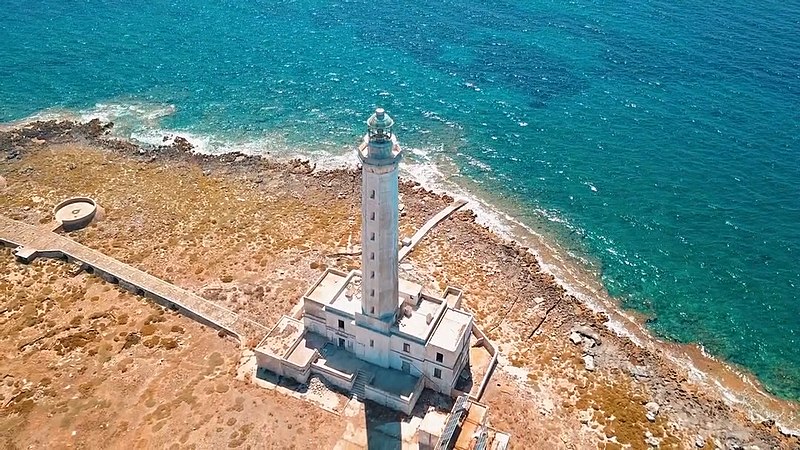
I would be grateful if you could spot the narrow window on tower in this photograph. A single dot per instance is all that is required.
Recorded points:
(372, 310)
(372, 194)
(372, 293)
(372, 274)
(372, 215)
(372, 256)
(371, 343)
(372, 237)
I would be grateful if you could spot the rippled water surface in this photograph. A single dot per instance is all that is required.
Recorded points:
(656, 140)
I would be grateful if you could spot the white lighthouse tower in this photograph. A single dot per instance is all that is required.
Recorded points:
(380, 156)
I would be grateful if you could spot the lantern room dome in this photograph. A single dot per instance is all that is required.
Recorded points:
(380, 124)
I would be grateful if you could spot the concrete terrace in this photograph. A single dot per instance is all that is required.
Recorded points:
(32, 242)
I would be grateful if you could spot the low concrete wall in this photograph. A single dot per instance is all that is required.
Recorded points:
(337, 379)
(390, 401)
(297, 373)
(487, 344)
(405, 404)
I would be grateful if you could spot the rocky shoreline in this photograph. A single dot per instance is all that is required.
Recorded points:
(566, 381)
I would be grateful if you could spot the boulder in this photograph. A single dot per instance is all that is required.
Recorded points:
(652, 441)
(588, 363)
(699, 442)
(575, 338)
(182, 144)
(588, 332)
(652, 410)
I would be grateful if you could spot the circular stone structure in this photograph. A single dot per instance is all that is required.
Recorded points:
(75, 213)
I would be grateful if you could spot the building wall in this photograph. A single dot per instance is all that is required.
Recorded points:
(372, 346)
(415, 357)
(314, 325)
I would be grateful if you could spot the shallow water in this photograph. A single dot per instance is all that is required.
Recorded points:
(656, 141)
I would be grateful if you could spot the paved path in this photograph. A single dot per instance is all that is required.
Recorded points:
(443, 214)
(32, 242)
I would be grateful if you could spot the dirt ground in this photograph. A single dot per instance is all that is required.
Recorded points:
(253, 234)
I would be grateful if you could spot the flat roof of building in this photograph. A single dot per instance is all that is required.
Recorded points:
(450, 330)
(433, 423)
(349, 300)
(394, 381)
(422, 319)
(282, 336)
(329, 285)
(303, 353)
(409, 288)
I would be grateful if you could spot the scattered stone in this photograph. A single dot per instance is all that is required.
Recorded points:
(588, 362)
(588, 332)
(639, 371)
(652, 441)
(699, 442)
(182, 144)
(575, 338)
(652, 410)
(585, 416)
(239, 159)
(3, 183)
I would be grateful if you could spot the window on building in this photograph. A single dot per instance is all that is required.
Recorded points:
(341, 324)
(372, 256)
(372, 310)
(372, 194)
(439, 357)
(372, 215)
(437, 373)
(371, 343)
(372, 293)
(406, 347)
(372, 237)
(372, 274)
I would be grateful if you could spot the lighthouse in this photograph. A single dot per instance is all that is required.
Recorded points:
(380, 156)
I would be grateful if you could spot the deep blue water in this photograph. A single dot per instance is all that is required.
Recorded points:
(657, 139)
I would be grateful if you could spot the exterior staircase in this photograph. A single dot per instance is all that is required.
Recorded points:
(362, 378)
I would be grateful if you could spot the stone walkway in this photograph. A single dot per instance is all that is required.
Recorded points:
(32, 242)
(443, 214)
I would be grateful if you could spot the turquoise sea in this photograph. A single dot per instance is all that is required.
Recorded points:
(656, 140)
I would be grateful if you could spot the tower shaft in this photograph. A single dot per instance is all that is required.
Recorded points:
(380, 158)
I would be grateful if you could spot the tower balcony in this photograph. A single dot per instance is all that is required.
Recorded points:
(379, 153)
